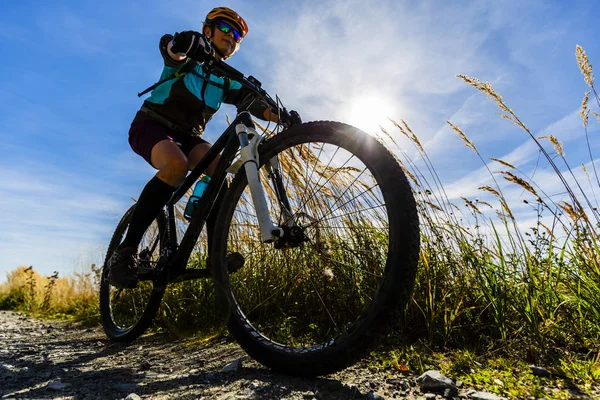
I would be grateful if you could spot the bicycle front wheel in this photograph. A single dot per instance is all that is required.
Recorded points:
(317, 303)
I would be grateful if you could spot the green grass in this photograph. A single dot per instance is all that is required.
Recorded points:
(505, 376)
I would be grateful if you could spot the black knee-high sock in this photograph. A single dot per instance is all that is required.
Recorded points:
(155, 195)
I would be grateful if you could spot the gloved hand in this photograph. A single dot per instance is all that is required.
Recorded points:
(290, 119)
(193, 44)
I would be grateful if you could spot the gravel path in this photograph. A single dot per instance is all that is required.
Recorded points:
(57, 360)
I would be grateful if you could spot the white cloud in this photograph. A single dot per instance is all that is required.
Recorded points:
(49, 216)
(325, 54)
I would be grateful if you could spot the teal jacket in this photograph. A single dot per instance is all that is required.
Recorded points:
(191, 100)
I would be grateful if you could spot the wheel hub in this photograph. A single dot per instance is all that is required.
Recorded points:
(292, 237)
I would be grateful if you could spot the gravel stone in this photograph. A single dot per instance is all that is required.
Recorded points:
(486, 396)
(57, 385)
(432, 381)
(539, 371)
(233, 366)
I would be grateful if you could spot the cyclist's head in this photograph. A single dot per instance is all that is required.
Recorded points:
(225, 30)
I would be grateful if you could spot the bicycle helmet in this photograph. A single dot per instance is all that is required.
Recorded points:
(228, 15)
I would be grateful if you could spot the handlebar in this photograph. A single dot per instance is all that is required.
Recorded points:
(220, 68)
(251, 84)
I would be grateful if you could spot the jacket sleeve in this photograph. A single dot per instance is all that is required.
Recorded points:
(257, 108)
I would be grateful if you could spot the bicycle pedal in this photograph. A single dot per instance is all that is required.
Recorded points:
(234, 262)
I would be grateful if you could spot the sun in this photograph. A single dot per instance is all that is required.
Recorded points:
(369, 112)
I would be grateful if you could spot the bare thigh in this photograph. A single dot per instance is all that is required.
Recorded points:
(171, 163)
(197, 153)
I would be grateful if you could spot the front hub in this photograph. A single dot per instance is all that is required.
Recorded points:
(292, 237)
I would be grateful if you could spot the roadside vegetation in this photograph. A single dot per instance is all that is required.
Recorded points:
(492, 296)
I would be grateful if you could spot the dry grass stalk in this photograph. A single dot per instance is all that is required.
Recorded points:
(557, 145)
(509, 176)
(585, 111)
(597, 116)
(471, 205)
(503, 163)
(410, 175)
(584, 66)
(548, 231)
(397, 125)
(511, 116)
(490, 189)
(388, 135)
(435, 207)
(570, 210)
(485, 203)
(507, 208)
(406, 131)
(464, 137)
(413, 137)
(503, 202)
(407, 127)
(487, 88)
(583, 167)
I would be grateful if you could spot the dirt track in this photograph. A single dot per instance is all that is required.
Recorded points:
(41, 359)
(58, 360)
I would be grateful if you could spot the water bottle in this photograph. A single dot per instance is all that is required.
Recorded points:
(195, 197)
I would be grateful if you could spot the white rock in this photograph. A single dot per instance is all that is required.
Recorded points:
(539, 371)
(434, 381)
(486, 396)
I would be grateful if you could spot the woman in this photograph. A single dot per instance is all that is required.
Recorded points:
(167, 130)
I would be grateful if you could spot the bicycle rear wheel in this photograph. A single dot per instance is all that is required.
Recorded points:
(316, 305)
(127, 313)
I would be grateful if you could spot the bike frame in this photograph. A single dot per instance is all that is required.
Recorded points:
(240, 134)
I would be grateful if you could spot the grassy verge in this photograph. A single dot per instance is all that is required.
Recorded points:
(508, 376)
(74, 297)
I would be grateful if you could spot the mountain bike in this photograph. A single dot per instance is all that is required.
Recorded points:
(314, 248)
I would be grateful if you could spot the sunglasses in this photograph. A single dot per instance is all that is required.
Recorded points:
(226, 28)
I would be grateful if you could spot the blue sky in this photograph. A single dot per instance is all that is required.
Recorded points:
(71, 70)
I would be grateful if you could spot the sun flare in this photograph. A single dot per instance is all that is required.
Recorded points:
(369, 112)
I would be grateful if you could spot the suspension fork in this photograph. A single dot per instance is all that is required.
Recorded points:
(249, 141)
(274, 168)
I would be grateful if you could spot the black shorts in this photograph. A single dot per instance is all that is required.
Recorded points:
(146, 133)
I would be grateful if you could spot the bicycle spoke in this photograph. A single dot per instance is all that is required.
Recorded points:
(348, 188)
(349, 213)
(325, 256)
(273, 294)
(116, 295)
(306, 179)
(303, 203)
(324, 305)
